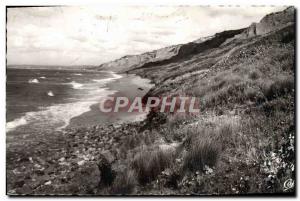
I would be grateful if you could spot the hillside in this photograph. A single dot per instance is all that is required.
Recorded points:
(269, 23)
(242, 142)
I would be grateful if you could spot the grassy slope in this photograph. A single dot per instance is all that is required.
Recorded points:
(243, 141)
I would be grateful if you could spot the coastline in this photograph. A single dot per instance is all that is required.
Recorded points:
(242, 142)
(62, 158)
(130, 86)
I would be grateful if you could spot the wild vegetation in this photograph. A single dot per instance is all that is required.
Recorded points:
(242, 142)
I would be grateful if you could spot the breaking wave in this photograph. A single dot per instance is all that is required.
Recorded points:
(57, 116)
(50, 93)
(76, 85)
(10, 126)
(33, 81)
(106, 80)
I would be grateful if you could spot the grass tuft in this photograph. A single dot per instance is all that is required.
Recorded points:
(124, 183)
(150, 163)
(203, 152)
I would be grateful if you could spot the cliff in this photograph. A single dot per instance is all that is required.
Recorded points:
(269, 23)
(243, 139)
(241, 143)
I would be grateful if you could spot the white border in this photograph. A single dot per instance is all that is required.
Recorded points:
(3, 4)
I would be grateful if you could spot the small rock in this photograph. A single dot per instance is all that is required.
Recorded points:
(87, 178)
(80, 163)
(37, 166)
(62, 159)
(15, 171)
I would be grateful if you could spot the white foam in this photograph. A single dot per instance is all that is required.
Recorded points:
(79, 74)
(116, 76)
(144, 83)
(103, 81)
(57, 116)
(33, 81)
(43, 77)
(110, 79)
(10, 126)
(76, 85)
(50, 93)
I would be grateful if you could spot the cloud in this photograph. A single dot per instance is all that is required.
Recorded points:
(93, 35)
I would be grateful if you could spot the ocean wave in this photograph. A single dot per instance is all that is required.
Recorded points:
(43, 77)
(10, 126)
(79, 74)
(33, 81)
(107, 80)
(116, 76)
(75, 85)
(58, 116)
(50, 93)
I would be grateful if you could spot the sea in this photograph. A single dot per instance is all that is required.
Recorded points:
(41, 100)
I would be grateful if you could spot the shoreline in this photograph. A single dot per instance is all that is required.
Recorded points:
(75, 149)
(115, 86)
(130, 86)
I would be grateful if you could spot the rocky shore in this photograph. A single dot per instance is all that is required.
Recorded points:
(242, 142)
(77, 161)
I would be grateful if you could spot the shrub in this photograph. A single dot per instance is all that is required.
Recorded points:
(124, 183)
(253, 94)
(285, 84)
(179, 118)
(254, 75)
(266, 88)
(280, 86)
(135, 140)
(202, 152)
(131, 142)
(233, 93)
(150, 163)
(106, 172)
(205, 144)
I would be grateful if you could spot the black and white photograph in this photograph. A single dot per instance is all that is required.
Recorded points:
(150, 100)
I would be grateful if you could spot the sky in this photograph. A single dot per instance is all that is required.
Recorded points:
(69, 36)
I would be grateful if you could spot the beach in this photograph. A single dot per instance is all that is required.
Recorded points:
(38, 141)
(129, 86)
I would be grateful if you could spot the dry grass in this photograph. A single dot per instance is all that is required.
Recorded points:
(179, 118)
(202, 152)
(254, 74)
(254, 79)
(149, 163)
(229, 89)
(171, 131)
(245, 86)
(124, 183)
(138, 139)
(205, 144)
(277, 87)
